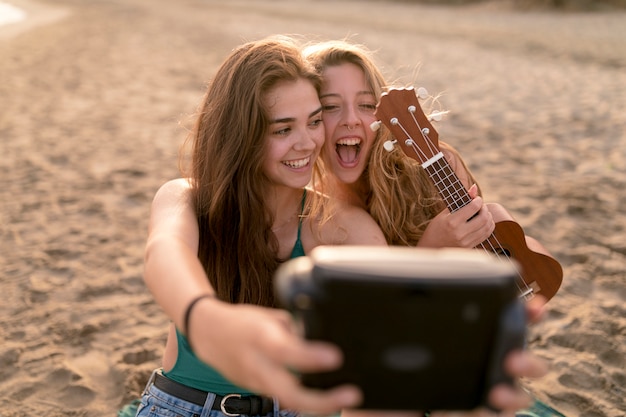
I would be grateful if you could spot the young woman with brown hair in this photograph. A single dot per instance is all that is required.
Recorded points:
(216, 238)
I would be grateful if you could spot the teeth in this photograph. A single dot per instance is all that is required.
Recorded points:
(297, 164)
(349, 141)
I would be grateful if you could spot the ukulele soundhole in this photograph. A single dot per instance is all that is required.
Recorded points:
(500, 251)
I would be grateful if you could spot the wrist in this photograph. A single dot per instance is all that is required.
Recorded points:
(190, 308)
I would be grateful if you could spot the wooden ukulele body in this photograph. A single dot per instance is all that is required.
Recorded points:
(399, 110)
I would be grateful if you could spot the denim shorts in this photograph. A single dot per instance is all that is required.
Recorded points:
(157, 403)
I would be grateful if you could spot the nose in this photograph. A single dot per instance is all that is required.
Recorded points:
(350, 118)
(308, 140)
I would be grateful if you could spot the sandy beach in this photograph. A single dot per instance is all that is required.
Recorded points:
(94, 101)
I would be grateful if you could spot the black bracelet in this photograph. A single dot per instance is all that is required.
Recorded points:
(193, 302)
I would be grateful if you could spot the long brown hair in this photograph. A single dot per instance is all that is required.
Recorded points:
(399, 194)
(236, 247)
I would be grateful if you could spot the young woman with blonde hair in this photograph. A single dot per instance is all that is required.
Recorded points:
(393, 188)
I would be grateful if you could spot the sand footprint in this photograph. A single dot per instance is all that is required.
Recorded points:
(139, 357)
(581, 379)
(74, 394)
(95, 373)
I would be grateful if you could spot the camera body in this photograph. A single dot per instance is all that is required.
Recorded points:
(419, 328)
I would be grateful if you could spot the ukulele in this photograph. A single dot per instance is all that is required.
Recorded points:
(399, 110)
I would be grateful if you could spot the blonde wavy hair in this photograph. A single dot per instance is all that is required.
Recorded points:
(399, 195)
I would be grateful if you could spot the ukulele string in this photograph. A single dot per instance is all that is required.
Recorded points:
(435, 156)
(524, 289)
(458, 197)
(440, 177)
(410, 142)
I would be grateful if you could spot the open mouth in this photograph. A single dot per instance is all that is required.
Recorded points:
(348, 150)
(298, 163)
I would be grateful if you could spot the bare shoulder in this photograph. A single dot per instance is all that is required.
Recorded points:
(173, 212)
(170, 200)
(179, 187)
(349, 225)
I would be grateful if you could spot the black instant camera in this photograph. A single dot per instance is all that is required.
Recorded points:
(419, 328)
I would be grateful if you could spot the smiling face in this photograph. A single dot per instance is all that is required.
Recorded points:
(295, 135)
(349, 105)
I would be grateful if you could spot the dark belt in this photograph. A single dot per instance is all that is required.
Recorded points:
(231, 404)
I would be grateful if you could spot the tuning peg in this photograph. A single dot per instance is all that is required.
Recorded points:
(389, 144)
(374, 126)
(422, 93)
(436, 115)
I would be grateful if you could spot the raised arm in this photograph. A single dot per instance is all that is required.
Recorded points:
(250, 345)
(172, 270)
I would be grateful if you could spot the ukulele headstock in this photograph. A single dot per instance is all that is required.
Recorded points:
(400, 111)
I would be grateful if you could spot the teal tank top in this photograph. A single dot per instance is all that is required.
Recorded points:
(191, 371)
(298, 249)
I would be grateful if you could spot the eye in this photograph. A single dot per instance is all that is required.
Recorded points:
(316, 122)
(329, 107)
(282, 132)
(368, 106)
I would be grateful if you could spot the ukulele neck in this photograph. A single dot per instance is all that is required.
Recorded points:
(447, 183)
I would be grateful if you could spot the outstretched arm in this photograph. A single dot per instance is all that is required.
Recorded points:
(172, 270)
(254, 347)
